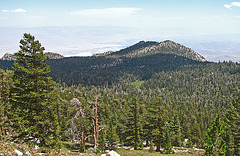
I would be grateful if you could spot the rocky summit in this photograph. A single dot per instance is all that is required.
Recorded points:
(8, 57)
(51, 55)
(167, 47)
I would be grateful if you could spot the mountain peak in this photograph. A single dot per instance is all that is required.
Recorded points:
(9, 57)
(181, 50)
(137, 46)
(167, 47)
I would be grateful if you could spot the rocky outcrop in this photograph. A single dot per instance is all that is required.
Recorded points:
(103, 54)
(51, 55)
(167, 47)
(111, 153)
(8, 57)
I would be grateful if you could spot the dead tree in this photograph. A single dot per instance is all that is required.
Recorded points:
(94, 118)
(74, 129)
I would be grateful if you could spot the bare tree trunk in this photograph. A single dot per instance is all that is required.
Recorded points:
(2, 128)
(82, 130)
(95, 123)
(82, 136)
(94, 134)
(147, 142)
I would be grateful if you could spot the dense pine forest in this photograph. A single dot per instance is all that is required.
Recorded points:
(156, 95)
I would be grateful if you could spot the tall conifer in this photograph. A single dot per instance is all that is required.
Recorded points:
(32, 97)
(157, 117)
(233, 123)
(5, 83)
(215, 145)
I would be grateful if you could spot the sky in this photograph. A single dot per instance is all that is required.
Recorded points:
(105, 24)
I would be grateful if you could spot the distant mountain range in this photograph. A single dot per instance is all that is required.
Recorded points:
(140, 49)
(87, 41)
(51, 55)
(142, 59)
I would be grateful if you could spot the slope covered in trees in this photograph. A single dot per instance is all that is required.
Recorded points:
(159, 99)
(142, 59)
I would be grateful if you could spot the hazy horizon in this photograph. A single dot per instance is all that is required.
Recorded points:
(83, 28)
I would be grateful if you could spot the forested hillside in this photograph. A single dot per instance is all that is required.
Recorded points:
(142, 60)
(155, 95)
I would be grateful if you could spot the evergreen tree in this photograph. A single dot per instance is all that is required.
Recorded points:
(133, 124)
(215, 145)
(196, 134)
(102, 141)
(136, 123)
(151, 149)
(229, 139)
(157, 117)
(5, 83)
(175, 130)
(233, 125)
(33, 110)
(167, 145)
(189, 143)
(112, 137)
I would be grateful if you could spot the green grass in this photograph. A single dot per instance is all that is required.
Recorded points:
(69, 145)
(123, 152)
(137, 84)
(70, 149)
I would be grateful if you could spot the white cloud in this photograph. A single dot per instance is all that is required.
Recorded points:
(16, 10)
(19, 10)
(105, 12)
(5, 11)
(237, 4)
(227, 6)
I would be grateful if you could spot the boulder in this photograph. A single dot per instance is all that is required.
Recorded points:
(113, 153)
(18, 152)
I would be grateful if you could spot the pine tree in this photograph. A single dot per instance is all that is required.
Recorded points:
(112, 137)
(136, 123)
(157, 117)
(33, 110)
(133, 124)
(189, 143)
(102, 141)
(5, 83)
(233, 125)
(215, 145)
(167, 145)
(151, 149)
(196, 134)
(175, 130)
(229, 139)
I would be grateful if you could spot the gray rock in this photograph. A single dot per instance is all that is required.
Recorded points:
(113, 153)
(18, 152)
